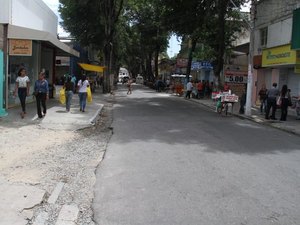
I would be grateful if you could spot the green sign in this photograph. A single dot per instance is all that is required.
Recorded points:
(296, 30)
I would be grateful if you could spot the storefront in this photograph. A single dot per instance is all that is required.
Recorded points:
(280, 65)
(28, 40)
(35, 51)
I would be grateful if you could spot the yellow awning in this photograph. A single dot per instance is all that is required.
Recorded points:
(90, 67)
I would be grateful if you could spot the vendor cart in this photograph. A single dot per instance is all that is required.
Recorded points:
(224, 101)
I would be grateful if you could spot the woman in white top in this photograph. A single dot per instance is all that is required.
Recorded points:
(82, 92)
(22, 88)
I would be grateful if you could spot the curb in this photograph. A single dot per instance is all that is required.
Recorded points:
(250, 118)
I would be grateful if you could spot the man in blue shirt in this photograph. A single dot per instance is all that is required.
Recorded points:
(272, 94)
(41, 90)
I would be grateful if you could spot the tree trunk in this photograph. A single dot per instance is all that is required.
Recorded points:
(106, 77)
(156, 63)
(192, 48)
(111, 12)
(149, 67)
(221, 40)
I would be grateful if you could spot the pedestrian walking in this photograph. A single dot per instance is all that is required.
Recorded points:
(69, 91)
(189, 88)
(41, 92)
(272, 94)
(83, 83)
(73, 80)
(22, 88)
(263, 98)
(129, 88)
(285, 102)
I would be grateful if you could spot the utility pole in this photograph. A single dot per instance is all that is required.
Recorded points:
(250, 60)
(250, 57)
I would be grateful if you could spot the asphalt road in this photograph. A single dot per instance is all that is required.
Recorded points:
(173, 162)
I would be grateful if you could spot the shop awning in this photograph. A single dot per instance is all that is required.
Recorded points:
(16, 32)
(90, 67)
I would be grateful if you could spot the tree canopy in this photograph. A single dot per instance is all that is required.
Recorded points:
(134, 33)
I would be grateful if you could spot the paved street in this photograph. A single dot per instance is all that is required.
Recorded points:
(172, 161)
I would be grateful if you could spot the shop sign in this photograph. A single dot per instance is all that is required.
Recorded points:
(19, 47)
(277, 56)
(240, 77)
(296, 29)
(201, 65)
(182, 63)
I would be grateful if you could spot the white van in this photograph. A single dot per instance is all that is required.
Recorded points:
(139, 80)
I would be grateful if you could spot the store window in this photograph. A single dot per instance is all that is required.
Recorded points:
(30, 63)
(263, 36)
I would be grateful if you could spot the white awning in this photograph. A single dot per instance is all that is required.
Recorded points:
(16, 32)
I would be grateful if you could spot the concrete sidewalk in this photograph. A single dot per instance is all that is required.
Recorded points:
(56, 118)
(17, 199)
(291, 125)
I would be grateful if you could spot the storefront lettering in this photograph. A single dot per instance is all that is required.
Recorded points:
(278, 56)
(20, 48)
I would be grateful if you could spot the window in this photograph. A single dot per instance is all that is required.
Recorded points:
(263, 36)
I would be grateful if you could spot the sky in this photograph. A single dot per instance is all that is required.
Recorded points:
(174, 44)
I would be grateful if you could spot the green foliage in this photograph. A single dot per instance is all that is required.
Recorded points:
(142, 31)
(82, 19)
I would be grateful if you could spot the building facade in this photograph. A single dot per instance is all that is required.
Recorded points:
(28, 38)
(274, 59)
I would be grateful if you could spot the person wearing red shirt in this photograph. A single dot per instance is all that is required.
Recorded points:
(226, 87)
(199, 89)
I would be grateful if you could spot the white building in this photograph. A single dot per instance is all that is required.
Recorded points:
(28, 38)
(274, 59)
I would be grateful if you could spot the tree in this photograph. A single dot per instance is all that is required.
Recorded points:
(93, 22)
(146, 19)
(187, 19)
(205, 22)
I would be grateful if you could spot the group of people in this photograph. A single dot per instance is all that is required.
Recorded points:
(41, 92)
(273, 99)
(200, 89)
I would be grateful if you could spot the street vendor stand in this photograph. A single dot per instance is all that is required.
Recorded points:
(224, 101)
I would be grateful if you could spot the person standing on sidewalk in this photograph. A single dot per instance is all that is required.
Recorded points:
(263, 98)
(83, 83)
(272, 94)
(41, 90)
(69, 91)
(200, 89)
(189, 88)
(285, 100)
(22, 88)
